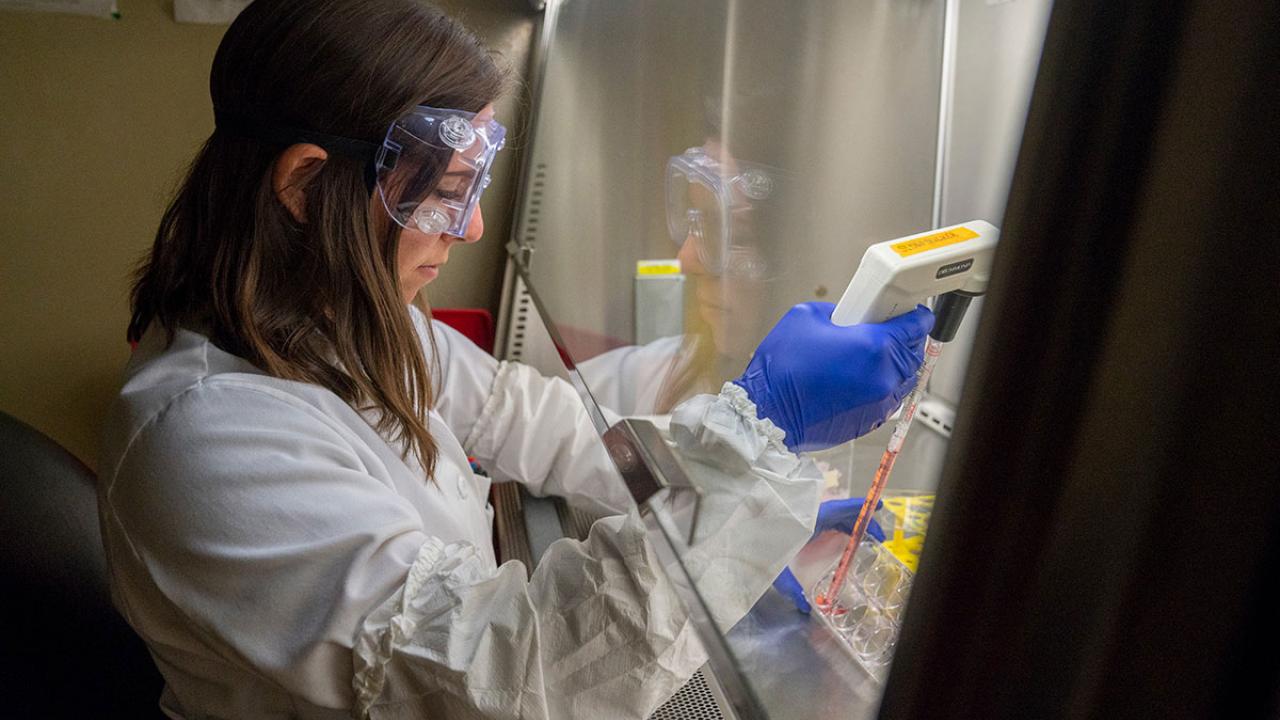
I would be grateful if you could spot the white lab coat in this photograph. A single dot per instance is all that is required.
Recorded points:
(282, 559)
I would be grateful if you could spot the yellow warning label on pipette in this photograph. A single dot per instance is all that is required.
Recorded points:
(955, 235)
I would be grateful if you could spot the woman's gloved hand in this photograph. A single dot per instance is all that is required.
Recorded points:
(832, 515)
(824, 384)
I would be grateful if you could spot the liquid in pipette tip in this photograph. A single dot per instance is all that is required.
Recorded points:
(859, 529)
(828, 600)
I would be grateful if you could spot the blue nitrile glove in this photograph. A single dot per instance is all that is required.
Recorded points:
(832, 515)
(824, 384)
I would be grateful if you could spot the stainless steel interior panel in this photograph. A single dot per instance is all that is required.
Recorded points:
(842, 96)
(997, 50)
(615, 92)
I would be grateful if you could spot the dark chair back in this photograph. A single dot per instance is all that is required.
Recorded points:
(68, 653)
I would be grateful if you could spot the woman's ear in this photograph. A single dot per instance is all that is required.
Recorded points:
(292, 171)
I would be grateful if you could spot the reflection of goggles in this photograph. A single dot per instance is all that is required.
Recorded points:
(704, 202)
(432, 167)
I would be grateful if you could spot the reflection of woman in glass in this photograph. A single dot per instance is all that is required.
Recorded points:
(714, 203)
(719, 214)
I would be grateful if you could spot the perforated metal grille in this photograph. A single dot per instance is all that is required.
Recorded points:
(533, 208)
(695, 701)
(519, 323)
(523, 304)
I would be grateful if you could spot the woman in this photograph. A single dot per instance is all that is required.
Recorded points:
(289, 514)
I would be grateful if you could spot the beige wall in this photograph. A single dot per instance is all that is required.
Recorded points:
(97, 121)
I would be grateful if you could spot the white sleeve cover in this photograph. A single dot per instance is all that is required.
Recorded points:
(598, 631)
(759, 506)
(536, 430)
(521, 425)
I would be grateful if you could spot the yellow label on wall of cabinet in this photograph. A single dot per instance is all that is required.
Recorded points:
(658, 267)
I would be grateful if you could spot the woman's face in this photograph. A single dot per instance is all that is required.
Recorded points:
(422, 255)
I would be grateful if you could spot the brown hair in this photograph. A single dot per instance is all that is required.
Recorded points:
(319, 301)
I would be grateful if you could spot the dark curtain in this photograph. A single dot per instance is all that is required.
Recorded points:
(1107, 539)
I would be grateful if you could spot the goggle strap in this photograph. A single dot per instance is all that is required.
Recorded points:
(255, 128)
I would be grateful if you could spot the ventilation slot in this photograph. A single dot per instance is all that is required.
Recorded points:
(533, 206)
(519, 323)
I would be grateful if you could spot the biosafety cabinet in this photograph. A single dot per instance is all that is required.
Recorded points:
(692, 170)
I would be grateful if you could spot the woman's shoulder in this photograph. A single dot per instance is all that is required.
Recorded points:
(191, 365)
(188, 388)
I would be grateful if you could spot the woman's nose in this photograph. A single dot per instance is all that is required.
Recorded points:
(475, 229)
(690, 263)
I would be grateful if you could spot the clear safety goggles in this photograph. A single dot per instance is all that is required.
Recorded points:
(706, 201)
(429, 170)
(433, 166)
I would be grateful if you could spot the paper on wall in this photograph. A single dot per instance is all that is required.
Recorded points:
(96, 8)
(207, 11)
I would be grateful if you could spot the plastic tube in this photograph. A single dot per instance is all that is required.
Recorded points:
(826, 601)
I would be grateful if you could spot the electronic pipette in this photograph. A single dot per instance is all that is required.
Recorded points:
(952, 264)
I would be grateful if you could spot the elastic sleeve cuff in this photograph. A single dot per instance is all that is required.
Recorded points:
(393, 624)
(726, 430)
